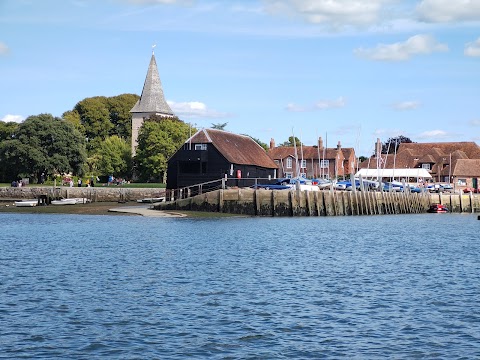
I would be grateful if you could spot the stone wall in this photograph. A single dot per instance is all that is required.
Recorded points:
(101, 194)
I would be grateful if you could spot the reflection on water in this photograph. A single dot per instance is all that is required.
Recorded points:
(402, 286)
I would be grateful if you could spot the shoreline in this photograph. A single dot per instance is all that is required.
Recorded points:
(106, 208)
(95, 208)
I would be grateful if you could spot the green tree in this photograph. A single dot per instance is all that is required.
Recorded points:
(95, 118)
(120, 117)
(43, 144)
(115, 157)
(291, 142)
(219, 126)
(391, 145)
(73, 117)
(7, 129)
(158, 140)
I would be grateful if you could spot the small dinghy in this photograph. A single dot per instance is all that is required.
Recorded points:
(25, 203)
(64, 202)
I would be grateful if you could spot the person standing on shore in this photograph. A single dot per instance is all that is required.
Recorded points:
(79, 182)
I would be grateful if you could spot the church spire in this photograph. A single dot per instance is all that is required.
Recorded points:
(152, 101)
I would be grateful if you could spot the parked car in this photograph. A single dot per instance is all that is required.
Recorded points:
(471, 189)
(440, 188)
(346, 185)
(322, 183)
(392, 186)
(271, 186)
(446, 188)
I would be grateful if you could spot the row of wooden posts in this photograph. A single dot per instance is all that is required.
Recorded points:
(263, 202)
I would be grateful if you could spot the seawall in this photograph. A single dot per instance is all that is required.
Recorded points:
(262, 202)
(100, 194)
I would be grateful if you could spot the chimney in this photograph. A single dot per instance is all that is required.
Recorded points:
(272, 143)
(378, 148)
(339, 145)
(320, 143)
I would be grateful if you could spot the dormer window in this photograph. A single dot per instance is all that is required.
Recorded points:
(200, 146)
(426, 166)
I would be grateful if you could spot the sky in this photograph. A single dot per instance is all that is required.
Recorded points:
(346, 70)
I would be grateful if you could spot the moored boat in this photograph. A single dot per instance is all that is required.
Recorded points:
(82, 200)
(64, 202)
(437, 208)
(25, 203)
(151, 200)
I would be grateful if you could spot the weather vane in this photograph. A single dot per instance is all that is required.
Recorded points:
(153, 49)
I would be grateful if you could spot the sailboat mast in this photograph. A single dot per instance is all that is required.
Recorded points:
(296, 154)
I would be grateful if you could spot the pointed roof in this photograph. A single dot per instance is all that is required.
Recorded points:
(152, 99)
(237, 149)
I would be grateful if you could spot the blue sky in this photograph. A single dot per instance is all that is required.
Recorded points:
(351, 70)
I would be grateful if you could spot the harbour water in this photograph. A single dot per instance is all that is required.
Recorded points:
(116, 287)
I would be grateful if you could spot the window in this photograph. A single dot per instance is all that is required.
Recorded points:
(304, 164)
(289, 163)
(462, 182)
(288, 175)
(426, 166)
(324, 164)
(276, 162)
(200, 146)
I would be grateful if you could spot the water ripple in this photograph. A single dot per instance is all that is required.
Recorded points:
(356, 287)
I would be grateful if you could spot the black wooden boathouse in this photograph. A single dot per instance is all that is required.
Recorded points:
(212, 154)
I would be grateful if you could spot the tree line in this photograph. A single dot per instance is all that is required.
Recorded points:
(94, 138)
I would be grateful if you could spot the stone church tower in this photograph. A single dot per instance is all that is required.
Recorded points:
(151, 102)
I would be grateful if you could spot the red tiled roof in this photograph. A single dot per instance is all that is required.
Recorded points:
(471, 149)
(467, 168)
(411, 155)
(237, 149)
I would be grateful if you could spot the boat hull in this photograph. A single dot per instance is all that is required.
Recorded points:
(26, 203)
(64, 202)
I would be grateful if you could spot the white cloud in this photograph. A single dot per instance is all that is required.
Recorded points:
(331, 13)
(406, 105)
(416, 45)
(475, 122)
(295, 108)
(473, 48)
(331, 104)
(3, 48)
(443, 11)
(13, 118)
(195, 109)
(319, 105)
(433, 134)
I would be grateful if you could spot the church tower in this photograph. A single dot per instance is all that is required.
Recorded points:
(151, 102)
